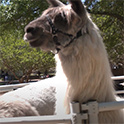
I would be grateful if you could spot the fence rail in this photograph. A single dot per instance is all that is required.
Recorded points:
(91, 110)
(117, 78)
(37, 120)
(5, 88)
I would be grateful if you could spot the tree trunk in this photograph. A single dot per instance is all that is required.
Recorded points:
(25, 76)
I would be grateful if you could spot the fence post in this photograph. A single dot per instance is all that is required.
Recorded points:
(77, 116)
(93, 112)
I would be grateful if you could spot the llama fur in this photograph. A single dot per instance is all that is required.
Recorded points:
(88, 73)
(83, 69)
(35, 99)
(39, 97)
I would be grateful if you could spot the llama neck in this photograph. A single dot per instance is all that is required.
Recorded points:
(87, 70)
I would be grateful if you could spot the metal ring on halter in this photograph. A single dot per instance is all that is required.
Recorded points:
(56, 30)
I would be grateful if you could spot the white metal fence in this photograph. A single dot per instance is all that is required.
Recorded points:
(91, 111)
(37, 120)
(6, 88)
(91, 114)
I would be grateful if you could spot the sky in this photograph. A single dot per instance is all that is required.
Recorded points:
(82, 0)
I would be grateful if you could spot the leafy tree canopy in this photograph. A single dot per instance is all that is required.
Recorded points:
(17, 13)
(17, 56)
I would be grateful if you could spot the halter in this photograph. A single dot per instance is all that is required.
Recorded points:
(55, 38)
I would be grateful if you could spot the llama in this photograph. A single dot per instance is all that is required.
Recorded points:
(69, 31)
(82, 63)
(31, 100)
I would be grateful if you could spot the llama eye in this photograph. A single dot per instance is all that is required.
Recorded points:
(60, 21)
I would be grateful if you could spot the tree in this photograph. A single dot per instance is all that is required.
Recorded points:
(109, 16)
(17, 13)
(16, 56)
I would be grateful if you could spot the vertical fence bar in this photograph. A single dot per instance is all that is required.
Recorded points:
(93, 112)
(77, 115)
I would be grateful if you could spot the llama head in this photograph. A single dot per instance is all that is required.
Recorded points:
(57, 25)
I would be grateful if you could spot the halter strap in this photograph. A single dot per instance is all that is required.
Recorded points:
(56, 30)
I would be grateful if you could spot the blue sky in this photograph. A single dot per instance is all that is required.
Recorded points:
(82, 0)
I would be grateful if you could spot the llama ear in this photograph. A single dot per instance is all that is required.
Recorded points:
(55, 3)
(78, 7)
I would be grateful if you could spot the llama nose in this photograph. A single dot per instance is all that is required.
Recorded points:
(30, 29)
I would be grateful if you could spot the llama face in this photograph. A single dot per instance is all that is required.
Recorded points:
(57, 25)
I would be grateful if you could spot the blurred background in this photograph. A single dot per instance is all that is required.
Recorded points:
(20, 63)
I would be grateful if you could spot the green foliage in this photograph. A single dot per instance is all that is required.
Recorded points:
(18, 13)
(20, 59)
(16, 56)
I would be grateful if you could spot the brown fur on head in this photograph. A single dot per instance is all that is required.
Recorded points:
(67, 18)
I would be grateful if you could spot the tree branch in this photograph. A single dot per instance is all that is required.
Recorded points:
(121, 18)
